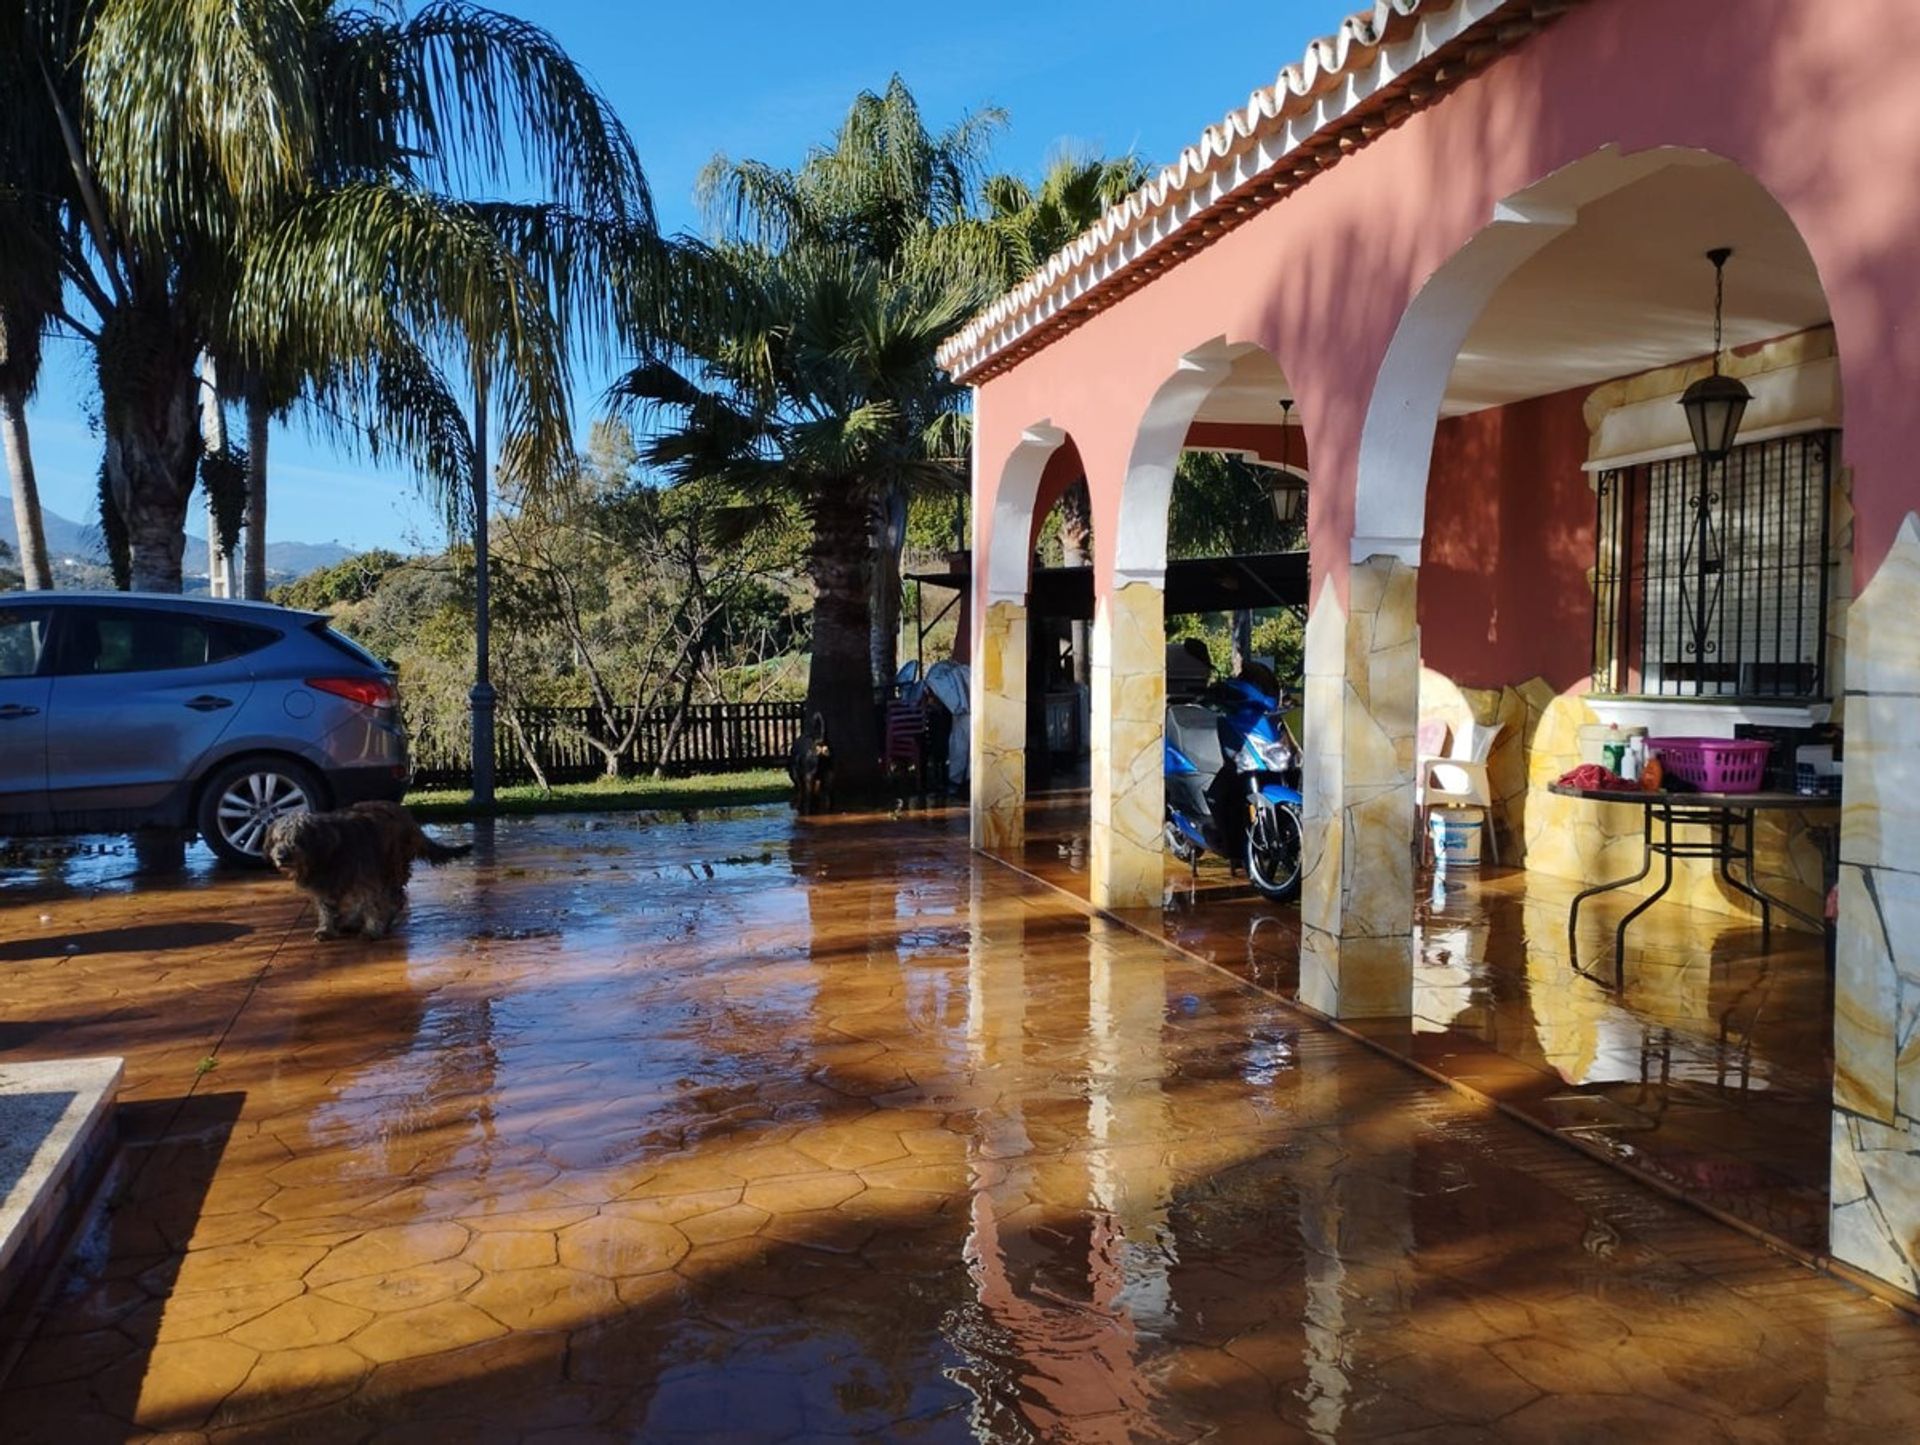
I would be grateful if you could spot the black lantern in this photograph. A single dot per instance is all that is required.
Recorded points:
(1288, 489)
(1715, 404)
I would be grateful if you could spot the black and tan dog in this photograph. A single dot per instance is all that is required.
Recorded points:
(354, 864)
(810, 766)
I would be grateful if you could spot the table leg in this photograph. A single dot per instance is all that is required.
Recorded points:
(1766, 900)
(1666, 882)
(1573, 910)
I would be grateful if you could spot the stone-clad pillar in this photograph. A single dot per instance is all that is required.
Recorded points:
(999, 739)
(1129, 703)
(1362, 701)
(1876, 1078)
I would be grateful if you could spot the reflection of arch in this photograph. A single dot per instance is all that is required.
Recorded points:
(1396, 439)
(1202, 376)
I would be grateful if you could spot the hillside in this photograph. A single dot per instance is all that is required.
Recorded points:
(76, 550)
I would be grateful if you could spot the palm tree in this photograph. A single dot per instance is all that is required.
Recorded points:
(280, 182)
(19, 369)
(29, 285)
(887, 190)
(1030, 224)
(818, 390)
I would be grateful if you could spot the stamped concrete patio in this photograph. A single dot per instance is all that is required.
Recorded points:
(1710, 1073)
(734, 1128)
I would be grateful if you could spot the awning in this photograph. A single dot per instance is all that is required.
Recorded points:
(1206, 584)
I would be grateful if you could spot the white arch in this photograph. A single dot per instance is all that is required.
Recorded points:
(1396, 440)
(1140, 540)
(1008, 559)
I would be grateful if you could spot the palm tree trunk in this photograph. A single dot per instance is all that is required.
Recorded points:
(890, 539)
(35, 568)
(255, 589)
(1242, 640)
(840, 678)
(213, 440)
(151, 460)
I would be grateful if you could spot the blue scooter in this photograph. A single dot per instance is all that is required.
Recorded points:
(1233, 785)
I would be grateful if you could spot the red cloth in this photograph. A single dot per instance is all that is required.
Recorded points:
(1591, 777)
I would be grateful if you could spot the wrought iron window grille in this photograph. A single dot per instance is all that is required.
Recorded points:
(1711, 579)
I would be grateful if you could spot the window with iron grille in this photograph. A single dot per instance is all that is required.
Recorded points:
(1711, 579)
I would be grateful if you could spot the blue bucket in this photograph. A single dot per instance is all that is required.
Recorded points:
(1456, 834)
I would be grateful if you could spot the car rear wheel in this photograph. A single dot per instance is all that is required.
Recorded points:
(242, 798)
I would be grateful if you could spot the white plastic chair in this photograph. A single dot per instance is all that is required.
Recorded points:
(1460, 779)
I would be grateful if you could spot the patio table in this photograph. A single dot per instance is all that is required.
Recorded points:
(1729, 819)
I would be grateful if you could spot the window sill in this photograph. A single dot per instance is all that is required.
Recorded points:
(1691, 717)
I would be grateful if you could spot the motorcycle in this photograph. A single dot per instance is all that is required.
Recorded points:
(1233, 786)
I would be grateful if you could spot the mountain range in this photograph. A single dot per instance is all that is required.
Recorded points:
(80, 542)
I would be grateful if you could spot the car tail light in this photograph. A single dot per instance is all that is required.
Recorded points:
(367, 691)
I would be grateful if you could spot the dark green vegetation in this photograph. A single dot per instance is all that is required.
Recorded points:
(610, 594)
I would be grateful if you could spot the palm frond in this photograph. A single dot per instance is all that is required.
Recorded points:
(192, 104)
(479, 98)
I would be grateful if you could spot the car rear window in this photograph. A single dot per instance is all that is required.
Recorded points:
(342, 643)
(23, 637)
(100, 641)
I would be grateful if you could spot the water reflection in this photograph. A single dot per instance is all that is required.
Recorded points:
(781, 1131)
(1712, 1070)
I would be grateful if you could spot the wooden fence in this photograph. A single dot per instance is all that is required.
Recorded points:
(726, 737)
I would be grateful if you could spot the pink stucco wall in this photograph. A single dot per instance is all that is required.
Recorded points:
(1806, 97)
(1063, 469)
(1503, 575)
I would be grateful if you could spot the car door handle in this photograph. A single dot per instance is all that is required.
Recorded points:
(16, 709)
(207, 702)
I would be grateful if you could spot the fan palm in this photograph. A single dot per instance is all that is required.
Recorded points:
(885, 189)
(815, 389)
(1026, 226)
(280, 182)
(1029, 223)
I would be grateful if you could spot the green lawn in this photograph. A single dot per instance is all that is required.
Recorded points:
(606, 795)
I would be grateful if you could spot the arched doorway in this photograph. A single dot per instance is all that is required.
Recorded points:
(1532, 514)
(1059, 669)
(1230, 402)
(1042, 465)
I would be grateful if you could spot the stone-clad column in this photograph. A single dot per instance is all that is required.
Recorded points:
(999, 739)
(1362, 701)
(1129, 703)
(1876, 1077)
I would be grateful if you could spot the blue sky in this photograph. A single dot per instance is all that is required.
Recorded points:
(761, 79)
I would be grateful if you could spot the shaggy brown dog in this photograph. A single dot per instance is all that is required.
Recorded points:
(355, 864)
(810, 765)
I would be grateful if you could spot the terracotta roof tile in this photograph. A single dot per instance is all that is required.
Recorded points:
(1379, 66)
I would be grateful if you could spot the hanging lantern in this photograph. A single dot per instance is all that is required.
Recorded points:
(1288, 489)
(1289, 498)
(1716, 403)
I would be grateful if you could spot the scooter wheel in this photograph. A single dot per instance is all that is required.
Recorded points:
(1274, 855)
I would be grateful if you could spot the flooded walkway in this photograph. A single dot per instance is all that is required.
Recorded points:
(1710, 1073)
(736, 1129)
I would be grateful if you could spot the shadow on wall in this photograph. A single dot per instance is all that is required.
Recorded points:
(1504, 593)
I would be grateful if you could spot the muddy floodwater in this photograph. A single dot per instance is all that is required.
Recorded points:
(739, 1128)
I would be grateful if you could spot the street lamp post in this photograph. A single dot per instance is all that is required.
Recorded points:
(481, 698)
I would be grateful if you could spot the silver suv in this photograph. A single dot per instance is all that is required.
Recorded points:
(122, 710)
